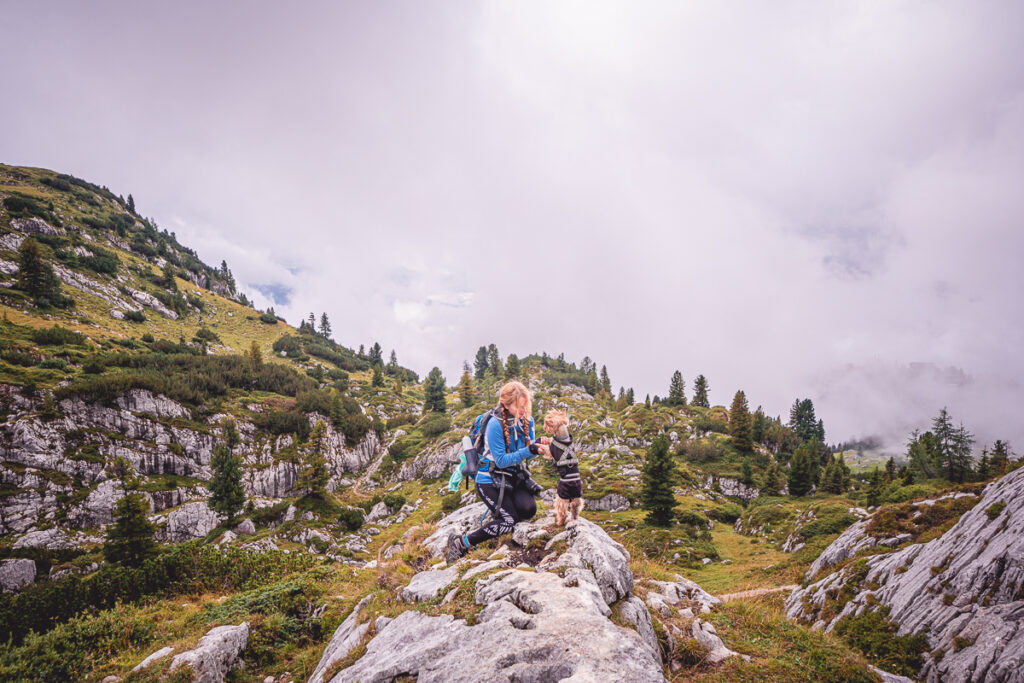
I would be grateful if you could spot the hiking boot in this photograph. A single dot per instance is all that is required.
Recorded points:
(456, 549)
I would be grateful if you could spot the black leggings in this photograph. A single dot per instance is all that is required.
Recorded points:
(518, 505)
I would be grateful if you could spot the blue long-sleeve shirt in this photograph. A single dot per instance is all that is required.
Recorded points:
(495, 448)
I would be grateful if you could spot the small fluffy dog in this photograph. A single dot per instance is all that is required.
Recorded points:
(569, 494)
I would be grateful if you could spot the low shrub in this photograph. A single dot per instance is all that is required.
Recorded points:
(56, 335)
(435, 424)
(135, 316)
(727, 514)
(351, 518)
(873, 634)
(451, 501)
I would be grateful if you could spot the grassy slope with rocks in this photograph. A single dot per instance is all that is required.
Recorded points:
(294, 614)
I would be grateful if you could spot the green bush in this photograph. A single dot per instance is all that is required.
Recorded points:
(727, 514)
(451, 501)
(702, 450)
(402, 448)
(351, 518)
(73, 649)
(185, 568)
(135, 316)
(207, 335)
(54, 364)
(102, 261)
(692, 518)
(56, 335)
(19, 357)
(435, 424)
(873, 634)
(394, 501)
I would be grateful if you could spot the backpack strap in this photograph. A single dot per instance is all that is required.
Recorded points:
(568, 452)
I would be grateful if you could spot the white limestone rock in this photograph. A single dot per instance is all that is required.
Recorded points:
(217, 654)
(191, 520)
(345, 639)
(16, 574)
(429, 584)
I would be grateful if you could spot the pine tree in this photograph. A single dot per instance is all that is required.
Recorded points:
(255, 356)
(376, 354)
(226, 493)
(36, 277)
(630, 397)
(700, 392)
(393, 361)
(129, 539)
(739, 423)
(480, 362)
(773, 480)
(466, 387)
(874, 493)
(606, 383)
(890, 469)
(647, 401)
(918, 455)
(377, 380)
(131, 204)
(659, 475)
(942, 428)
(312, 322)
(984, 466)
(494, 361)
(748, 473)
(1000, 457)
(800, 474)
(325, 326)
(512, 366)
(804, 423)
(963, 442)
(676, 390)
(832, 480)
(844, 475)
(433, 392)
(314, 474)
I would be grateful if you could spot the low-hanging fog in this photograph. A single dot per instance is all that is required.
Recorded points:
(797, 199)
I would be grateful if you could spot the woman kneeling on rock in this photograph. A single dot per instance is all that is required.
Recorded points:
(508, 444)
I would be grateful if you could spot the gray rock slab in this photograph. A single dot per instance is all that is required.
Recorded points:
(346, 637)
(428, 585)
(16, 574)
(217, 653)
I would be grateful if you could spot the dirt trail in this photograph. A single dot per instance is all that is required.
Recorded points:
(756, 592)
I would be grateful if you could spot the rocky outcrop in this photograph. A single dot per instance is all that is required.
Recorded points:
(218, 653)
(462, 521)
(613, 502)
(345, 639)
(142, 401)
(428, 585)
(433, 462)
(707, 637)
(98, 507)
(559, 624)
(731, 487)
(16, 574)
(965, 589)
(192, 520)
(35, 226)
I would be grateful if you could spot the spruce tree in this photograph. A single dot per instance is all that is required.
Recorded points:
(748, 473)
(393, 361)
(659, 475)
(647, 401)
(129, 539)
(963, 442)
(700, 392)
(606, 383)
(36, 277)
(1000, 457)
(494, 360)
(512, 366)
(890, 469)
(874, 493)
(800, 475)
(773, 480)
(168, 277)
(315, 474)
(480, 362)
(325, 326)
(226, 493)
(131, 204)
(377, 380)
(676, 390)
(433, 392)
(803, 422)
(739, 423)
(630, 397)
(984, 470)
(376, 354)
(466, 387)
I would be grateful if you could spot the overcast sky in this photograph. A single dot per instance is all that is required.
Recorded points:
(808, 199)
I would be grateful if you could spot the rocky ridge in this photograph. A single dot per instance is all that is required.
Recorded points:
(965, 588)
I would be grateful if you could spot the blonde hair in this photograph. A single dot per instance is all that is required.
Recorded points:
(515, 395)
(554, 419)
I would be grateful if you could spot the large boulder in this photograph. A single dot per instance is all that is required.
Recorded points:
(462, 521)
(191, 520)
(534, 625)
(965, 589)
(16, 574)
(428, 585)
(218, 653)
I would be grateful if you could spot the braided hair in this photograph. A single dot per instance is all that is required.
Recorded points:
(506, 417)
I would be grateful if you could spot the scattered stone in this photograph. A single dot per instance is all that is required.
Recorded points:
(706, 636)
(378, 511)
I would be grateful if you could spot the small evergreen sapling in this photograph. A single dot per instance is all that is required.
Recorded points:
(659, 475)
